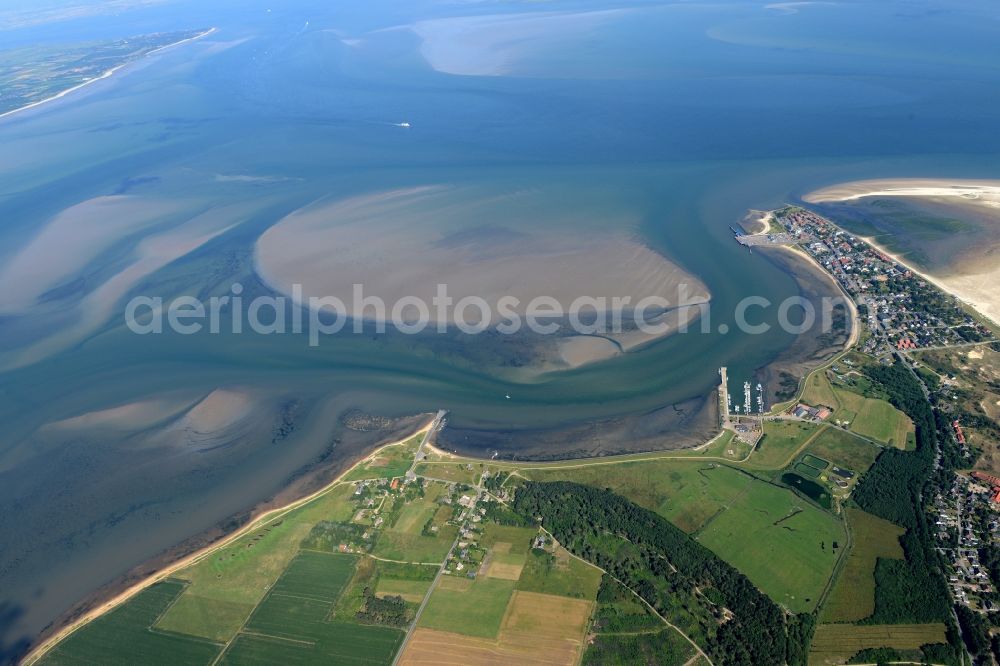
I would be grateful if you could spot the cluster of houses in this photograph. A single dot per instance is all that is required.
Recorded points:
(467, 556)
(904, 310)
(961, 533)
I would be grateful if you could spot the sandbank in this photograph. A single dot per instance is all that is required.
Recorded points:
(128, 417)
(403, 244)
(985, 192)
(494, 44)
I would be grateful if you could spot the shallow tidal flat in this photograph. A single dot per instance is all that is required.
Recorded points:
(948, 229)
(477, 243)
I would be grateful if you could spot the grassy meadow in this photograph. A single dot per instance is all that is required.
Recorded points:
(468, 607)
(835, 643)
(868, 416)
(853, 595)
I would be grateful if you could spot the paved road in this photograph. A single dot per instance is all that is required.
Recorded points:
(441, 569)
(435, 426)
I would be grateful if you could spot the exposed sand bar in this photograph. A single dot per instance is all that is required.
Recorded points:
(71, 240)
(128, 417)
(403, 244)
(66, 248)
(974, 279)
(985, 192)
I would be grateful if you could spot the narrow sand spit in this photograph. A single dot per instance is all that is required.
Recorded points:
(973, 279)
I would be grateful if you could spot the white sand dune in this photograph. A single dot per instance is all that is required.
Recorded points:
(405, 243)
(975, 279)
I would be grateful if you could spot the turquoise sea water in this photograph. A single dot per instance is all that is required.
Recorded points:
(686, 115)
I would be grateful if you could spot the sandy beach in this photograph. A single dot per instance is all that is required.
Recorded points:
(985, 192)
(978, 289)
(104, 75)
(974, 276)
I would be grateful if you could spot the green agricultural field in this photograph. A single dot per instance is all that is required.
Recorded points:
(685, 492)
(207, 617)
(303, 596)
(559, 573)
(781, 542)
(293, 622)
(414, 515)
(817, 391)
(226, 585)
(315, 575)
(339, 643)
(781, 443)
(411, 590)
(844, 450)
(390, 462)
(835, 643)
(519, 538)
(882, 422)
(468, 607)
(125, 633)
(853, 595)
(370, 573)
(869, 417)
(396, 545)
(467, 473)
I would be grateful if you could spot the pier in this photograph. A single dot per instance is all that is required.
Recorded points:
(724, 399)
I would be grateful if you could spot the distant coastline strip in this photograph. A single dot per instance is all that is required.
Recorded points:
(105, 75)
